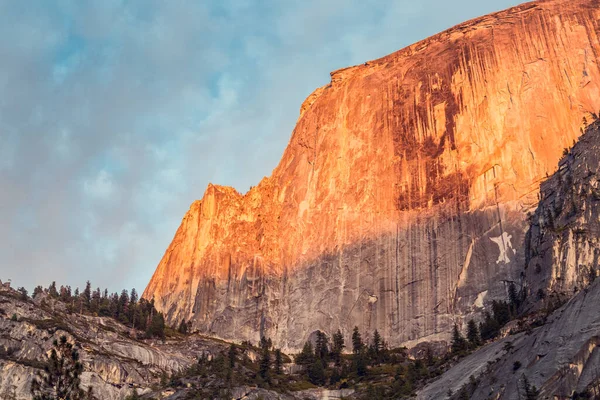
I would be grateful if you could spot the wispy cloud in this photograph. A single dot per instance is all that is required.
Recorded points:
(115, 115)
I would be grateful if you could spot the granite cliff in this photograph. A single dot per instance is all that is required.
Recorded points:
(561, 357)
(401, 201)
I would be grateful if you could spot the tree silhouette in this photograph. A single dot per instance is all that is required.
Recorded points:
(357, 343)
(337, 347)
(61, 376)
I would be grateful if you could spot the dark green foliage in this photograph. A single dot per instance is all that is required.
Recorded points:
(357, 343)
(123, 307)
(473, 334)
(265, 364)
(52, 290)
(322, 347)
(516, 365)
(133, 297)
(508, 346)
(492, 323)
(264, 342)
(61, 376)
(23, 292)
(127, 309)
(458, 341)
(531, 392)
(87, 294)
(337, 347)
(501, 311)
(514, 300)
(183, 327)
(156, 328)
(463, 394)
(95, 302)
(306, 356)
(359, 363)
(38, 290)
(489, 328)
(231, 355)
(14, 318)
(376, 348)
(541, 295)
(277, 366)
(316, 373)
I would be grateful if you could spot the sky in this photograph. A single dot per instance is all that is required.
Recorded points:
(116, 114)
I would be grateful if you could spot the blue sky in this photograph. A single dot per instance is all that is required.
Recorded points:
(115, 115)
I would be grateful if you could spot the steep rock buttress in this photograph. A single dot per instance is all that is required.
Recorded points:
(400, 202)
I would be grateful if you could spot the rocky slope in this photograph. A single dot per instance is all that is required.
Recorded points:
(559, 358)
(563, 356)
(401, 199)
(114, 363)
(563, 244)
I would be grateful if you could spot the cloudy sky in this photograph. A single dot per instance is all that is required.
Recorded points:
(116, 114)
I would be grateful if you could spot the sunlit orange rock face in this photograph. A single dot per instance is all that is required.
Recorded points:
(400, 202)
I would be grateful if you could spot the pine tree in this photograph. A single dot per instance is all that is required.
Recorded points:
(37, 291)
(489, 328)
(473, 334)
(322, 347)
(265, 364)
(359, 363)
(62, 294)
(95, 303)
(263, 342)
(133, 299)
(231, 355)
(338, 347)
(501, 311)
(183, 327)
(513, 299)
(61, 376)
(376, 347)
(306, 356)
(277, 367)
(458, 341)
(156, 328)
(357, 343)
(23, 293)
(87, 294)
(52, 290)
(316, 373)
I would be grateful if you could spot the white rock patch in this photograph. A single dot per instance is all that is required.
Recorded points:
(479, 300)
(504, 244)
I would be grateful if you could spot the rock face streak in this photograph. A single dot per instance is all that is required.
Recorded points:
(400, 201)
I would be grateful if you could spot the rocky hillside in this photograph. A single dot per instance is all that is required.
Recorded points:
(562, 356)
(113, 361)
(563, 243)
(401, 200)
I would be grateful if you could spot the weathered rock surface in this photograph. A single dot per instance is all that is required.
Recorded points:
(563, 244)
(563, 356)
(400, 201)
(114, 363)
(559, 358)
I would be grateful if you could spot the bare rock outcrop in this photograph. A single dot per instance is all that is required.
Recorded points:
(400, 202)
(114, 362)
(562, 356)
(563, 243)
(559, 358)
